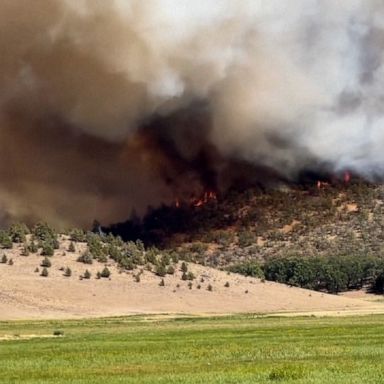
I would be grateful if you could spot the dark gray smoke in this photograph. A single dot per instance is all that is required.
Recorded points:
(109, 105)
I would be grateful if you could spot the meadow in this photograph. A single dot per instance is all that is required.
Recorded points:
(160, 349)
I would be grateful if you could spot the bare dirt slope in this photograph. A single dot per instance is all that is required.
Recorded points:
(24, 294)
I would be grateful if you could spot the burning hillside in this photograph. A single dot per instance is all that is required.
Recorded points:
(111, 106)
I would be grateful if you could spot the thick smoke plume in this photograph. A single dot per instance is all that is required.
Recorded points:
(110, 105)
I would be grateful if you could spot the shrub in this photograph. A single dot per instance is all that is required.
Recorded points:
(184, 276)
(87, 274)
(46, 263)
(85, 258)
(44, 232)
(160, 270)
(170, 270)
(47, 249)
(10, 262)
(162, 283)
(71, 247)
(190, 285)
(44, 272)
(4, 259)
(5, 240)
(58, 332)
(98, 275)
(190, 276)
(18, 232)
(210, 288)
(77, 235)
(226, 285)
(32, 247)
(37, 270)
(184, 267)
(25, 251)
(105, 273)
(251, 269)
(68, 272)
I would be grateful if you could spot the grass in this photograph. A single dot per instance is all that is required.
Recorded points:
(238, 349)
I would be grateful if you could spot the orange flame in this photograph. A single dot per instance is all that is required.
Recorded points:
(347, 177)
(206, 198)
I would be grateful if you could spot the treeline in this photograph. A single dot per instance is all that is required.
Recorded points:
(44, 240)
(328, 274)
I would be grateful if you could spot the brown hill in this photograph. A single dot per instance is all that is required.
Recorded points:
(24, 294)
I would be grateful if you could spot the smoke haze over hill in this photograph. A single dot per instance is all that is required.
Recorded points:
(110, 105)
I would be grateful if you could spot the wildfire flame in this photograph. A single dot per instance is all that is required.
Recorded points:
(200, 201)
(206, 198)
(347, 177)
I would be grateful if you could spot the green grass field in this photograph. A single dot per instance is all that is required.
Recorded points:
(241, 349)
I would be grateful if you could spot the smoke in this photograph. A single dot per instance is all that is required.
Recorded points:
(110, 105)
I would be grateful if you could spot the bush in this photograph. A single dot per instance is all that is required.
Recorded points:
(58, 332)
(46, 263)
(71, 247)
(160, 270)
(24, 251)
(68, 272)
(18, 232)
(4, 259)
(87, 274)
(190, 276)
(105, 273)
(5, 240)
(47, 249)
(162, 283)
(170, 270)
(44, 272)
(32, 247)
(226, 285)
(85, 258)
(43, 232)
(210, 288)
(10, 262)
(184, 276)
(251, 269)
(184, 267)
(77, 235)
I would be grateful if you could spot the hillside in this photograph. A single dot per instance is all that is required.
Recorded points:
(329, 234)
(24, 293)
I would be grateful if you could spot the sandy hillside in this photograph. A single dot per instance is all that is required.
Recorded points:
(24, 294)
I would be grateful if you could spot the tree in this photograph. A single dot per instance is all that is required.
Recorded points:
(18, 232)
(68, 272)
(162, 283)
(4, 259)
(44, 272)
(44, 232)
